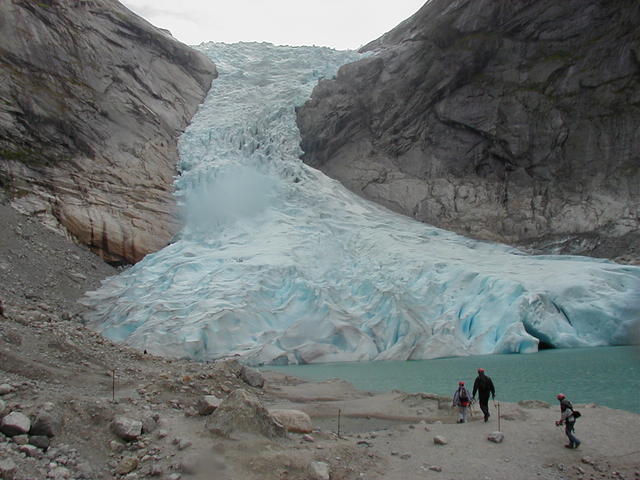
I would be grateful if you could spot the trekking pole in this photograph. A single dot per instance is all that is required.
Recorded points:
(498, 416)
(339, 423)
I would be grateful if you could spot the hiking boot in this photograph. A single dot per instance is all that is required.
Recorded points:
(569, 446)
(577, 445)
(486, 418)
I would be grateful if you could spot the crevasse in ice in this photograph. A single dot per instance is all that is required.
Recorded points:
(280, 264)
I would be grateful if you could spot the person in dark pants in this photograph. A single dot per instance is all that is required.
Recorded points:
(483, 386)
(567, 417)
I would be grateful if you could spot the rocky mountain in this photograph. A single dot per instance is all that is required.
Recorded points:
(510, 121)
(93, 99)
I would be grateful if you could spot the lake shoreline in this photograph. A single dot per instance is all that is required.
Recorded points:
(607, 376)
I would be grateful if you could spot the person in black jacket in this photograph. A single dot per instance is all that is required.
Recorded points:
(484, 387)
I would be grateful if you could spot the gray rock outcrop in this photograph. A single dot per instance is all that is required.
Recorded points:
(508, 121)
(93, 100)
(242, 411)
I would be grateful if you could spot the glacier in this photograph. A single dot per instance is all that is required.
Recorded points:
(279, 264)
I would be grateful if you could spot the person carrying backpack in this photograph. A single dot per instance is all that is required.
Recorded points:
(462, 400)
(568, 416)
(484, 387)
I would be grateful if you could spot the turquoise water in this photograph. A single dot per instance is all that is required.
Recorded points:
(607, 376)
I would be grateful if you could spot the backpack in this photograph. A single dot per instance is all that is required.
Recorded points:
(464, 398)
(576, 414)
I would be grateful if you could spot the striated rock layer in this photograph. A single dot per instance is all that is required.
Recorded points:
(510, 121)
(93, 100)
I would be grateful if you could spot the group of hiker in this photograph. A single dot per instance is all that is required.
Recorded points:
(483, 387)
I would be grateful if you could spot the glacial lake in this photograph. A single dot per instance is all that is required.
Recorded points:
(608, 376)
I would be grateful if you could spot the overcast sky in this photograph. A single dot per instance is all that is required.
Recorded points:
(341, 24)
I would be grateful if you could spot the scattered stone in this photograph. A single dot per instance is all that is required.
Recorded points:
(21, 439)
(405, 456)
(116, 446)
(252, 377)
(8, 469)
(365, 443)
(496, 437)
(127, 465)
(435, 468)
(5, 389)
(40, 441)
(126, 428)
(59, 473)
(162, 434)
(181, 443)
(440, 440)
(31, 451)
(3, 405)
(587, 460)
(47, 423)
(156, 471)
(149, 423)
(308, 438)
(293, 420)
(319, 471)
(15, 423)
(394, 453)
(207, 404)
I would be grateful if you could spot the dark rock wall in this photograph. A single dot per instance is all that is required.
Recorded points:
(516, 121)
(92, 101)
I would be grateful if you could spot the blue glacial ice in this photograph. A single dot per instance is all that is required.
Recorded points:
(279, 264)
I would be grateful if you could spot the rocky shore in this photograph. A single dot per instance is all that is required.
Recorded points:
(75, 406)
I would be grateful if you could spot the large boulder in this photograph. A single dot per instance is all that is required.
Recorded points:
(93, 101)
(15, 423)
(252, 377)
(241, 411)
(294, 421)
(126, 428)
(508, 121)
(208, 404)
(47, 423)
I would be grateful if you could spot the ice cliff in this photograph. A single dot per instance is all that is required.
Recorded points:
(280, 264)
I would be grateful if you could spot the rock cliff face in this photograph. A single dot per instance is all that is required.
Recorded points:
(92, 100)
(509, 121)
